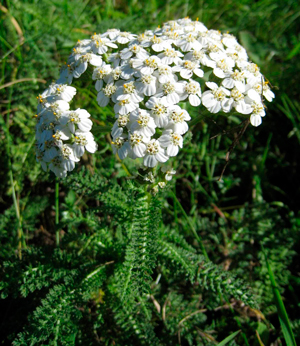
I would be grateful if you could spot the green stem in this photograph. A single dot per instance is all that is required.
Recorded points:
(198, 238)
(57, 210)
(17, 209)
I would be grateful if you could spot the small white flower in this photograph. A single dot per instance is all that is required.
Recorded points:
(125, 37)
(84, 140)
(142, 123)
(159, 111)
(61, 133)
(257, 113)
(170, 92)
(201, 57)
(120, 123)
(128, 70)
(154, 154)
(169, 172)
(189, 42)
(150, 177)
(158, 44)
(111, 33)
(146, 85)
(101, 44)
(215, 99)
(236, 79)
(147, 66)
(58, 92)
(66, 73)
(114, 75)
(162, 184)
(229, 40)
(100, 73)
(258, 89)
(105, 95)
(57, 168)
(125, 106)
(165, 74)
(224, 66)
(171, 141)
(136, 50)
(192, 90)
(177, 120)
(80, 118)
(120, 146)
(68, 157)
(188, 68)
(138, 143)
(83, 61)
(127, 90)
(170, 56)
(237, 100)
(252, 73)
(257, 109)
(115, 59)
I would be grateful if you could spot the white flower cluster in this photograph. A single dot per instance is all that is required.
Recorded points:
(62, 135)
(147, 78)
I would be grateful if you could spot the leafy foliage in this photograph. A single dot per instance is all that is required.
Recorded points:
(129, 270)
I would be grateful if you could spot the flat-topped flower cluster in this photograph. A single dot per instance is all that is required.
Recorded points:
(148, 79)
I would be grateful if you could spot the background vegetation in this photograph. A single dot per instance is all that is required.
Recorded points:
(97, 288)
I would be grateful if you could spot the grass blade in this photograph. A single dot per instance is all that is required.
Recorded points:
(282, 314)
(229, 338)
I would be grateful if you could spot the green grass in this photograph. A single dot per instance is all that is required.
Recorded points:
(255, 205)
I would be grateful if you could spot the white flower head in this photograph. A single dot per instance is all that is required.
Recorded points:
(100, 44)
(215, 99)
(177, 120)
(121, 146)
(154, 154)
(171, 141)
(192, 91)
(142, 123)
(138, 143)
(159, 111)
(145, 78)
(82, 141)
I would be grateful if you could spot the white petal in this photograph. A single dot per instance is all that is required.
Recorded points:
(172, 150)
(219, 73)
(102, 99)
(173, 98)
(165, 140)
(123, 151)
(150, 161)
(194, 100)
(80, 69)
(243, 108)
(212, 85)
(78, 150)
(254, 95)
(228, 83)
(139, 150)
(95, 60)
(186, 74)
(161, 157)
(99, 85)
(198, 72)
(85, 125)
(255, 120)
(91, 146)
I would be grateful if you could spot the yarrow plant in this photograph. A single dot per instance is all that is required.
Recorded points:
(148, 79)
